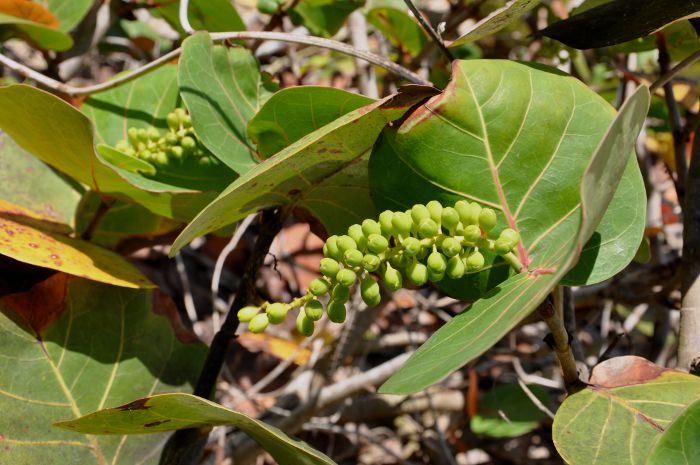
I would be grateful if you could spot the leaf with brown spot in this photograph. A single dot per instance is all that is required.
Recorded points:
(27, 236)
(100, 346)
(167, 412)
(618, 418)
(30, 11)
(34, 23)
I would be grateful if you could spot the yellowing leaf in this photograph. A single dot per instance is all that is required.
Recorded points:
(27, 236)
(280, 348)
(30, 11)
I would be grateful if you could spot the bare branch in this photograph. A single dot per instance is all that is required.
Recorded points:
(184, 19)
(329, 44)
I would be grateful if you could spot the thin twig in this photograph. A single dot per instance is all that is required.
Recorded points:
(72, 91)
(429, 29)
(221, 259)
(538, 403)
(186, 291)
(184, 19)
(667, 76)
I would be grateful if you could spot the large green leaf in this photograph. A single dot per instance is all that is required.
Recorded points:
(62, 137)
(497, 20)
(517, 138)
(625, 409)
(223, 88)
(679, 444)
(140, 103)
(49, 192)
(392, 19)
(41, 35)
(323, 17)
(167, 412)
(204, 15)
(325, 158)
(507, 412)
(600, 26)
(68, 12)
(86, 347)
(551, 253)
(295, 112)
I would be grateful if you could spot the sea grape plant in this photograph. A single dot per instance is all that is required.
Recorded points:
(513, 179)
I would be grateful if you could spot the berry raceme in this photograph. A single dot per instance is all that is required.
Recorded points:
(177, 144)
(423, 244)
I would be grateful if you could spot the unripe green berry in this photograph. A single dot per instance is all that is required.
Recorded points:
(487, 219)
(336, 311)
(304, 324)
(353, 257)
(277, 312)
(451, 247)
(153, 134)
(411, 246)
(436, 262)
(385, 222)
(331, 250)
(417, 273)
(370, 292)
(455, 267)
(188, 143)
(160, 158)
(371, 262)
(259, 323)
(475, 261)
(419, 212)
(435, 209)
(173, 121)
(370, 227)
(247, 313)
(400, 261)
(434, 277)
(346, 243)
(340, 293)
(314, 309)
(450, 218)
(502, 247)
(401, 223)
(345, 277)
(392, 278)
(355, 232)
(133, 136)
(176, 151)
(206, 161)
(187, 121)
(329, 267)
(143, 135)
(470, 215)
(509, 236)
(170, 139)
(377, 243)
(319, 287)
(472, 233)
(427, 229)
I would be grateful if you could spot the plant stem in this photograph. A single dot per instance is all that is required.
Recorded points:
(689, 341)
(667, 76)
(429, 29)
(71, 91)
(185, 446)
(561, 346)
(97, 217)
(675, 120)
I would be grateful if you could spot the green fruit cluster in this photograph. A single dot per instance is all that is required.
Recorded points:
(176, 145)
(423, 244)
